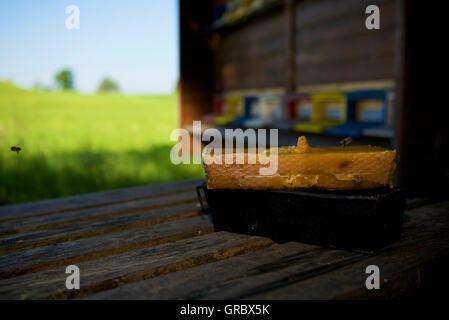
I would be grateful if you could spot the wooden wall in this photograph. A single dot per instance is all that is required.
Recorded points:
(330, 45)
(333, 44)
(252, 56)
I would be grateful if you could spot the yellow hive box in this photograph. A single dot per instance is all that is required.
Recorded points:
(330, 168)
(328, 110)
(234, 109)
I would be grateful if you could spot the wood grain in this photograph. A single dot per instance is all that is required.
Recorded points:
(400, 273)
(296, 270)
(63, 254)
(252, 56)
(192, 282)
(114, 271)
(92, 200)
(64, 218)
(333, 44)
(163, 247)
(88, 229)
(402, 264)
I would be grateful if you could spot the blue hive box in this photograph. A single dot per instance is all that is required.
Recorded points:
(250, 103)
(385, 130)
(365, 109)
(267, 112)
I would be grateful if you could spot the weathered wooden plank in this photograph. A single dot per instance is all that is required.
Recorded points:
(333, 44)
(360, 69)
(400, 272)
(87, 229)
(344, 33)
(63, 254)
(423, 242)
(349, 86)
(114, 271)
(277, 274)
(58, 219)
(312, 12)
(346, 52)
(242, 277)
(93, 199)
(191, 282)
(252, 56)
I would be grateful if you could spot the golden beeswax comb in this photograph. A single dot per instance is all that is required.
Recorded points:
(301, 166)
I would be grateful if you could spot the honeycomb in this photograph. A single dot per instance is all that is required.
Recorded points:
(302, 166)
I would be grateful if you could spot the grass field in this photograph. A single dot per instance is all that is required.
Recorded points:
(74, 144)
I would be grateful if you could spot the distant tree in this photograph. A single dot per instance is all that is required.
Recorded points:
(64, 79)
(108, 85)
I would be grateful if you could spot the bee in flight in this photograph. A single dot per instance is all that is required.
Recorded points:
(345, 141)
(16, 149)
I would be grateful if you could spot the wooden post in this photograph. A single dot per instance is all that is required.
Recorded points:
(421, 137)
(401, 89)
(195, 60)
(291, 45)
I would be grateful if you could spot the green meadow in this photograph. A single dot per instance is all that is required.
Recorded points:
(74, 143)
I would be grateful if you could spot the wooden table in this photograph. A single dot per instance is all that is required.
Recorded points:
(154, 242)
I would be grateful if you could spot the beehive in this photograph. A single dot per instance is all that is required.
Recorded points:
(328, 110)
(234, 109)
(365, 109)
(268, 111)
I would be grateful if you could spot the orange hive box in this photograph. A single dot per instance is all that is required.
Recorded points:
(301, 166)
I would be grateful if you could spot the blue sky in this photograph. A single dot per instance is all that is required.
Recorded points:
(134, 42)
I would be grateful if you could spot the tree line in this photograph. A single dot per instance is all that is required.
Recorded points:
(65, 81)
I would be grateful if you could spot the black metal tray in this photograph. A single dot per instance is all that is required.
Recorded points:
(359, 220)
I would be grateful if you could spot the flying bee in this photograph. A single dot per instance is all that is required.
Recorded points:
(345, 141)
(16, 149)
